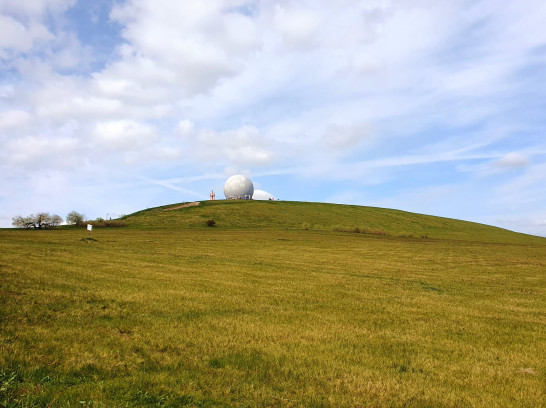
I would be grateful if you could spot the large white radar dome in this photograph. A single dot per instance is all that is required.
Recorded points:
(238, 187)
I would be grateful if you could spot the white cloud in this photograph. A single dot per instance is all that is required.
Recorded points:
(331, 93)
(513, 160)
(297, 26)
(345, 137)
(13, 118)
(34, 8)
(23, 24)
(125, 135)
(249, 155)
(185, 127)
(39, 152)
(204, 43)
(14, 36)
(172, 186)
(529, 186)
(241, 146)
(78, 106)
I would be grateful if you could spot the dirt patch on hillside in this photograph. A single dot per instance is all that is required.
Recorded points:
(176, 207)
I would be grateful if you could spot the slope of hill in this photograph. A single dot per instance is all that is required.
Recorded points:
(273, 307)
(319, 216)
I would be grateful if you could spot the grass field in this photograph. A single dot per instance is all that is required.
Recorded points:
(276, 306)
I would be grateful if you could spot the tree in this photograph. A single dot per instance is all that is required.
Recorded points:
(41, 220)
(23, 222)
(55, 220)
(75, 217)
(37, 221)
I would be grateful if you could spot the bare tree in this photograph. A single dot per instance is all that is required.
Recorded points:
(37, 221)
(23, 222)
(55, 220)
(42, 220)
(75, 217)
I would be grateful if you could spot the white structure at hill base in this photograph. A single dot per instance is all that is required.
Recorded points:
(238, 187)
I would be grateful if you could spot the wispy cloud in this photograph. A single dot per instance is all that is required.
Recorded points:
(172, 186)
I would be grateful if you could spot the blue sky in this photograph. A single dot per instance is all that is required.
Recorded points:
(108, 107)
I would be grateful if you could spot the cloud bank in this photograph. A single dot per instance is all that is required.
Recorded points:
(428, 107)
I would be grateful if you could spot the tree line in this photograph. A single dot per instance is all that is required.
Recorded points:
(45, 220)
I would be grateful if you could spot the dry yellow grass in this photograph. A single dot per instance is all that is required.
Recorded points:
(226, 317)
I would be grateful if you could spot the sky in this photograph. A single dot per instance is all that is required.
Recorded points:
(109, 107)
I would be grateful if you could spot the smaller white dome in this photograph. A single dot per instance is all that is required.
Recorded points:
(238, 187)
(262, 195)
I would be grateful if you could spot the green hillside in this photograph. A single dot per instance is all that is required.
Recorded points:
(320, 217)
(278, 305)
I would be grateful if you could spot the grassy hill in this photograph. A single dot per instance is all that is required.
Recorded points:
(266, 215)
(274, 307)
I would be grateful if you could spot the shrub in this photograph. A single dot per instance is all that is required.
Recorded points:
(359, 230)
(108, 223)
(211, 223)
(114, 223)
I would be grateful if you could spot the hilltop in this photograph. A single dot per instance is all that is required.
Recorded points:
(292, 215)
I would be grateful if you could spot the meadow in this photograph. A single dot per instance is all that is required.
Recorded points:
(279, 304)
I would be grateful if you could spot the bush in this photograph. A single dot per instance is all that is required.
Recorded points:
(114, 223)
(108, 223)
(211, 223)
(359, 230)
